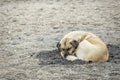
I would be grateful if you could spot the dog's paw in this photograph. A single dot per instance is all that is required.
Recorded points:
(71, 58)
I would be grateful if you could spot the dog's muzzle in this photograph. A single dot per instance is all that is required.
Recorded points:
(65, 54)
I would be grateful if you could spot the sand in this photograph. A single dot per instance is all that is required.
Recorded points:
(30, 30)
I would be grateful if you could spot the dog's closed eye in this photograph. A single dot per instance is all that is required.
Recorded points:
(69, 48)
(66, 49)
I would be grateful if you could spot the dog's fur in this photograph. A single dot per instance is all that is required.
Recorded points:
(84, 46)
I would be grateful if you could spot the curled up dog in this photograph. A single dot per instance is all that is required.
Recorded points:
(84, 46)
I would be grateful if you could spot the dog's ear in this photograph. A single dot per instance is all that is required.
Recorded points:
(58, 46)
(74, 43)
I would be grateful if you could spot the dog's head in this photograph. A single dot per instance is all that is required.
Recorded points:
(67, 47)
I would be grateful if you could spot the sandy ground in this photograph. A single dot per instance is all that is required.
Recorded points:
(30, 29)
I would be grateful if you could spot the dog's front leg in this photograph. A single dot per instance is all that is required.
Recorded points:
(71, 58)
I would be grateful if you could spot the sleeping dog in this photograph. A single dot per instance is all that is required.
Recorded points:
(83, 45)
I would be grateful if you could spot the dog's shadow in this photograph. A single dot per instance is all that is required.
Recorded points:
(53, 57)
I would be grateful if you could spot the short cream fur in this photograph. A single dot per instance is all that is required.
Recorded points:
(90, 47)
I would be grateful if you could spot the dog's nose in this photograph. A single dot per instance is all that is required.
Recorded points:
(65, 55)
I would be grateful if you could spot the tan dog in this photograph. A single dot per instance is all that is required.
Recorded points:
(84, 46)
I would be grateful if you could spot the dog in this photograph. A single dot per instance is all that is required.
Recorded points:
(84, 46)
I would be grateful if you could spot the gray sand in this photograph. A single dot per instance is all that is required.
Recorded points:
(30, 29)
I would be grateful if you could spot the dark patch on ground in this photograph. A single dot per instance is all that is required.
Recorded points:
(114, 53)
(53, 57)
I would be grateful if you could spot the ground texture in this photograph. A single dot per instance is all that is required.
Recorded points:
(30, 29)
